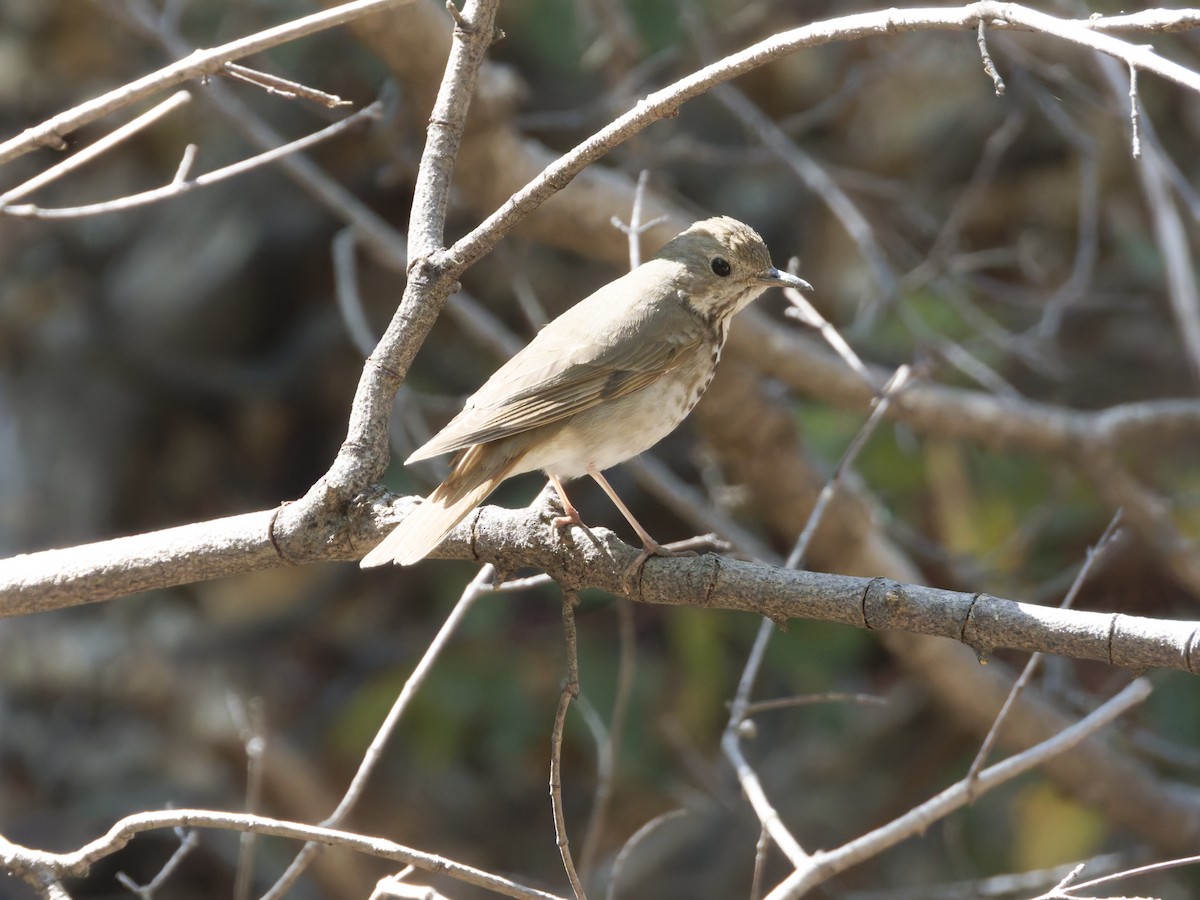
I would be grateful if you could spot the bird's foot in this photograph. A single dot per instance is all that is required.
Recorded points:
(650, 548)
(571, 519)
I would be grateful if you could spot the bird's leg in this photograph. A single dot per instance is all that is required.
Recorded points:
(649, 544)
(650, 547)
(570, 514)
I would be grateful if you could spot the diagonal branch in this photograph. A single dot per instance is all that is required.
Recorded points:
(198, 64)
(828, 864)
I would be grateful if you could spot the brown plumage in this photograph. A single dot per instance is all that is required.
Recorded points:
(607, 379)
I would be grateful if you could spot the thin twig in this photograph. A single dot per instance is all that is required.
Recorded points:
(610, 748)
(730, 740)
(73, 162)
(177, 188)
(1135, 137)
(895, 385)
(811, 700)
(636, 227)
(188, 840)
(1170, 231)
(989, 67)
(186, 162)
(196, 65)
(349, 299)
(478, 587)
(570, 691)
(731, 747)
(1069, 891)
(1093, 555)
(801, 308)
(282, 87)
(825, 865)
(248, 720)
(633, 843)
(377, 235)
(815, 176)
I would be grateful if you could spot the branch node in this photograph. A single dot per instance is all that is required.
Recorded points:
(53, 140)
(878, 591)
(1189, 651)
(981, 650)
(271, 530)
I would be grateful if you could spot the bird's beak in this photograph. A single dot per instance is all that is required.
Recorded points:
(773, 276)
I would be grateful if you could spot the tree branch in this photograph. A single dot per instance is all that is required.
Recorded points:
(511, 539)
(21, 860)
(198, 64)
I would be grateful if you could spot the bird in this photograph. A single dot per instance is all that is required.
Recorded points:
(603, 382)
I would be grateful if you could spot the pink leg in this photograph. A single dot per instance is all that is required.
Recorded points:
(650, 547)
(570, 513)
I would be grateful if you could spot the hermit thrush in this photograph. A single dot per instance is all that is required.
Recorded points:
(604, 381)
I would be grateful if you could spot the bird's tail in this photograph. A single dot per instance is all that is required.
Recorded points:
(473, 475)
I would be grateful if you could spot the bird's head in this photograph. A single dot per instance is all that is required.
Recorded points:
(726, 265)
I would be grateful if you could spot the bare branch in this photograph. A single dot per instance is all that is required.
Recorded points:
(829, 863)
(200, 63)
(478, 587)
(985, 749)
(178, 187)
(989, 66)
(73, 162)
(802, 364)
(364, 454)
(53, 579)
(187, 842)
(14, 858)
(570, 691)
(665, 102)
(282, 87)
(1135, 136)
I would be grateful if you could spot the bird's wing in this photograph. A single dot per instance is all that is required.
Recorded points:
(513, 402)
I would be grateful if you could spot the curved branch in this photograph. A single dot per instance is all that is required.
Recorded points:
(14, 858)
(665, 103)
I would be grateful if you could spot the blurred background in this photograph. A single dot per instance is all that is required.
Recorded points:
(189, 360)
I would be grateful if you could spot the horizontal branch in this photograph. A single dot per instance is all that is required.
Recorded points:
(956, 413)
(14, 858)
(54, 579)
(512, 539)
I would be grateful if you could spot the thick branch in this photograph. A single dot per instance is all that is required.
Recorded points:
(956, 413)
(511, 539)
(54, 579)
(363, 456)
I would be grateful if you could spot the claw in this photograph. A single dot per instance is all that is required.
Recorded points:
(652, 548)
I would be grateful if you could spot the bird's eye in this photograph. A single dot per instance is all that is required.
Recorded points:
(720, 266)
